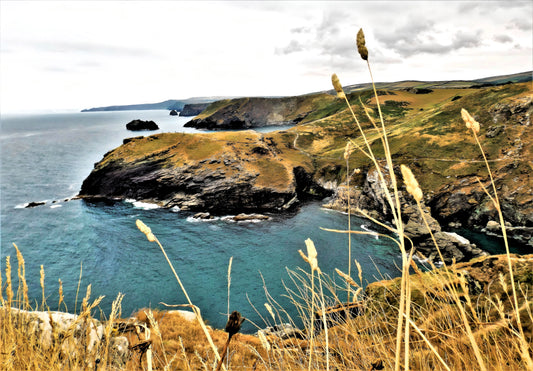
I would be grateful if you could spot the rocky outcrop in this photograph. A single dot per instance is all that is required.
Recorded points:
(137, 125)
(221, 174)
(371, 200)
(69, 332)
(173, 112)
(193, 109)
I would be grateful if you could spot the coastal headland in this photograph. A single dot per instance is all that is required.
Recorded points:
(229, 172)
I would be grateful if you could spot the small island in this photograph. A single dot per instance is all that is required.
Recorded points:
(138, 125)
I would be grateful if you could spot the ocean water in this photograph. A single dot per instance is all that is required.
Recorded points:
(46, 157)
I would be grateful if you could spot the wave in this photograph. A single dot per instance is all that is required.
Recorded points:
(373, 233)
(142, 205)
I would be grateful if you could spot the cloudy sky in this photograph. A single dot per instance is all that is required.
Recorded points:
(79, 54)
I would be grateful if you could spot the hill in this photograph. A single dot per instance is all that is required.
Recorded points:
(171, 104)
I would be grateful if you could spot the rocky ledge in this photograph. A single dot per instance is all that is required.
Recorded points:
(222, 173)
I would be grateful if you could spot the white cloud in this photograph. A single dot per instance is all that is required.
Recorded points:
(95, 53)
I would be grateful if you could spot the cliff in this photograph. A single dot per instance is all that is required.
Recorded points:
(193, 109)
(226, 173)
(245, 171)
(246, 113)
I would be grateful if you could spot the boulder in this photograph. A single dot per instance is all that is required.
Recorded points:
(249, 217)
(137, 125)
(173, 112)
(35, 204)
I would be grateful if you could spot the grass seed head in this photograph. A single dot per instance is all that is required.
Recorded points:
(338, 87)
(311, 254)
(469, 121)
(411, 184)
(348, 150)
(146, 230)
(361, 47)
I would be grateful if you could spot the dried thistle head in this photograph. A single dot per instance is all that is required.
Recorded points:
(338, 87)
(146, 230)
(361, 47)
(469, 121)
(234, 323)
(411, 184)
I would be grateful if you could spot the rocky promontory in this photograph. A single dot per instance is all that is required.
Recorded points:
(222, 173)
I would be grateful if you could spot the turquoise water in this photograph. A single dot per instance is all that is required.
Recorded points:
(46, 158)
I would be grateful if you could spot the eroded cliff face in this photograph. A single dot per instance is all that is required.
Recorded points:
(221, 173)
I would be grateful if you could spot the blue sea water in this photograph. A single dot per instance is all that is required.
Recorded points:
(45, 157)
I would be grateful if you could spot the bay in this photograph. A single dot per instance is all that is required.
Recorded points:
(45, 157)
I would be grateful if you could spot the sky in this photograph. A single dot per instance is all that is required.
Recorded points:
(70, 55)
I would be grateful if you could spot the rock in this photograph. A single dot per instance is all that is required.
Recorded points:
(193, 109)
(493, 226)
(173, 112)
(283, 331)
(137, 125)
(35, 204)
(204, 216)
(249, 217)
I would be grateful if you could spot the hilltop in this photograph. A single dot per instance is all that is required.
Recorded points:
(246, 171)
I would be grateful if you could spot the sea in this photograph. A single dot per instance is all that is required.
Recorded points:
(46, 157)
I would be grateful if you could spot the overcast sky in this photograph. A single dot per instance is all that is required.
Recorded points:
(82, 54)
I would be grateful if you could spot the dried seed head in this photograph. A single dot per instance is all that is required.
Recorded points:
(348, 150)
(264, 341)
(269, 308)
(338, 87)
(311, 254)
(361, 47)
(346, 277)
(234, 323)
(469, 121)
(42, 277)
(146, 230)
(410, 183)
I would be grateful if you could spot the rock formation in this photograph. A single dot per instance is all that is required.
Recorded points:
(193, 109)
(137, 125)
(221, 174)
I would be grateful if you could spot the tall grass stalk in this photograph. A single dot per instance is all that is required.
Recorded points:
(152, 238)
(474, 127)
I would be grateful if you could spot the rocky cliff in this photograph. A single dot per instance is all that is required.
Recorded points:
(246, 113)
(193, 109)
(245, 171)
(225, 173)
